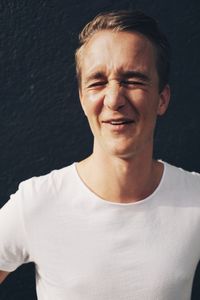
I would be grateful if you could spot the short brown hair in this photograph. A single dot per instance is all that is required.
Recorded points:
(131, 21)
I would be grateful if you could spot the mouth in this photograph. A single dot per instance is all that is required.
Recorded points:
(119, 122)
(119, 125)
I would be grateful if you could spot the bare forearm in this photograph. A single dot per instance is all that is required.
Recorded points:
(3, 275)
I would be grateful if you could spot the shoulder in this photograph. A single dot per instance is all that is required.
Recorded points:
(182, 173)
(51, 181)
(43, 190)
(182, 180)
(38, 199)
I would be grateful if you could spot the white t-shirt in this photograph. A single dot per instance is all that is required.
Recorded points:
(87, 248)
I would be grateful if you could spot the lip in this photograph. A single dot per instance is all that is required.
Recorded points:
(118, 128)
(126, 120)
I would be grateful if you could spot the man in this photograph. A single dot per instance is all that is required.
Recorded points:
(119, 224)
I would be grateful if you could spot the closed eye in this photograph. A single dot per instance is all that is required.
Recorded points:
(96, 84)
(131, 82)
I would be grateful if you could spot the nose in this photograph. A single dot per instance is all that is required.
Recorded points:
(114, 97)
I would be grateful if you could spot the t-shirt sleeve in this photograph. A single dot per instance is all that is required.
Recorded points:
(13, 239)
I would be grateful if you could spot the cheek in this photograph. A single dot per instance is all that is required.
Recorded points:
(139, 100)
(145, 103)
(92, 104)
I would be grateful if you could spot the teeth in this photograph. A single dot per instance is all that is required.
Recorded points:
(117, 122)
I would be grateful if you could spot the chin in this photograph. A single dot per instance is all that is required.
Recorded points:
(121, 152)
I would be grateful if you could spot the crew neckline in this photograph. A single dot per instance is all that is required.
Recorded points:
(94, 196)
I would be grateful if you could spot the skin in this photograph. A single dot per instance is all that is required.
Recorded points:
(120, 81)
(3, 275)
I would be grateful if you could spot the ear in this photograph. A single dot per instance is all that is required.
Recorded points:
(164, 100)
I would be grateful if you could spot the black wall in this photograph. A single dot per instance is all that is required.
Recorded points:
(42, 126)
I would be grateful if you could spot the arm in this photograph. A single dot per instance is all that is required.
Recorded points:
(13, 237)
(3, 275)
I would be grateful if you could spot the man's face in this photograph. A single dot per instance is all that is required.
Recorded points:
(119, 92)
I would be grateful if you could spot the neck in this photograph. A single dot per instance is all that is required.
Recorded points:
(121, 180)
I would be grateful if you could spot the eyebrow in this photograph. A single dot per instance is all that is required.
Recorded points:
(95, 76)
(136, 74)
(123, 75)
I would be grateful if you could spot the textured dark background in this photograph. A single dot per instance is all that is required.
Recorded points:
(42, 126)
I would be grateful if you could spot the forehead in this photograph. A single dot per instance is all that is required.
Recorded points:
(108, 51)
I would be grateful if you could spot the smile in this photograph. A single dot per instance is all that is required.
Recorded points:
(118, 126)
(119, 121)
